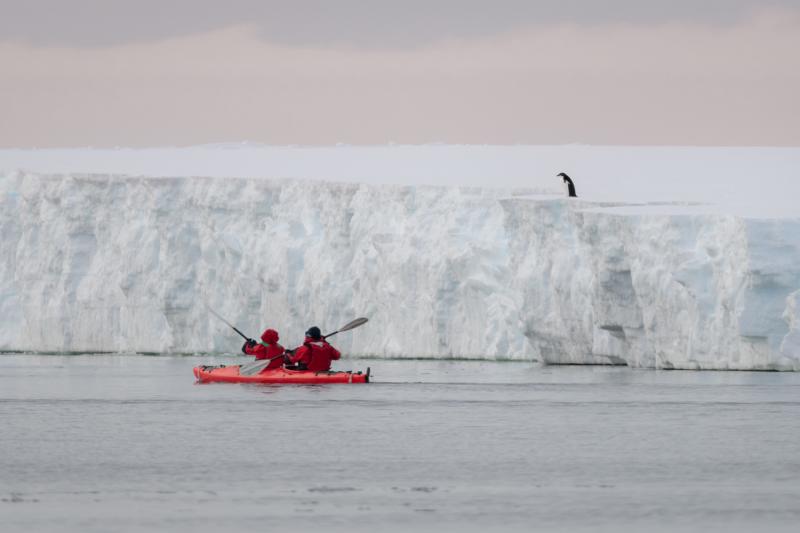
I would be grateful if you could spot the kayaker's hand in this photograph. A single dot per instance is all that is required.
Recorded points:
(251, 343)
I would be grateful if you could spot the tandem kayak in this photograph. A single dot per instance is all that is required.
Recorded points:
(230, 374)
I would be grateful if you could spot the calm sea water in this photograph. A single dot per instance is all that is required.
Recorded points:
(129, 443)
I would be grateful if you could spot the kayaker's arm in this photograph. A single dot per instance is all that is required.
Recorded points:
(249, 343)
(335, 354)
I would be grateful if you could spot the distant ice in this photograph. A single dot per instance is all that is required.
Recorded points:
(669, 258)
(753, 182)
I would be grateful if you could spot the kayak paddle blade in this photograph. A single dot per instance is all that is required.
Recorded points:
(354, 324)
(251, 369)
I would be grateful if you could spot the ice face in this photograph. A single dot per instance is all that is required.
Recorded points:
(119, 263)
(663, 291)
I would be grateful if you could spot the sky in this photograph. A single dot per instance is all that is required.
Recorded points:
(111, 73)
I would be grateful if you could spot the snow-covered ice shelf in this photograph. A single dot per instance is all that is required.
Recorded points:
(102, 262)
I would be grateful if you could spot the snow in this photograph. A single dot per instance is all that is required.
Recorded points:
(117, 250)
(758, 182)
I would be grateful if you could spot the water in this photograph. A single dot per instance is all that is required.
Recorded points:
(126, 443)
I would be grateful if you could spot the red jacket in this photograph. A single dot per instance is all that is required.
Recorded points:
(315, 354)
(273, 349)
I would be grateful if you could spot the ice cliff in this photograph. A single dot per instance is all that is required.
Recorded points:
(119, 263)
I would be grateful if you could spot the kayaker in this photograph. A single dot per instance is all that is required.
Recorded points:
(268, 348)
(315, 354)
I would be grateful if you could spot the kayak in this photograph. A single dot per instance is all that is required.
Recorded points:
(230, 374)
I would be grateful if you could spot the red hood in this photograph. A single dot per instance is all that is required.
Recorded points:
(270, 336)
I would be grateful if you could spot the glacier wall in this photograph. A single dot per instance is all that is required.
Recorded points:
(122, 263)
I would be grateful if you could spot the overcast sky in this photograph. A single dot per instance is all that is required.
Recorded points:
(178, 72)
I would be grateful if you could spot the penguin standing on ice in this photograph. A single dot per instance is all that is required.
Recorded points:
(569, 185)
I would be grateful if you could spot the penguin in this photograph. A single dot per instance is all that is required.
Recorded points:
(569, 185)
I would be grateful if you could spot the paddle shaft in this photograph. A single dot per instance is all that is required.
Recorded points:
(347, 327)
(245, 337)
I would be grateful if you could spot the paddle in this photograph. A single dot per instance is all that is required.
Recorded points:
(250, 369)
(258, 366)
(245, 337)
(347, 327)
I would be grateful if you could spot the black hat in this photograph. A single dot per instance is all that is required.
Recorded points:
(314, 332)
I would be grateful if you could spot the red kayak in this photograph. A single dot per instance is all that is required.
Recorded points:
(230, 374)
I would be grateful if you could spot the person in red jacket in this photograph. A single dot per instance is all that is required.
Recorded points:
(268, 348)
(315, 354)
